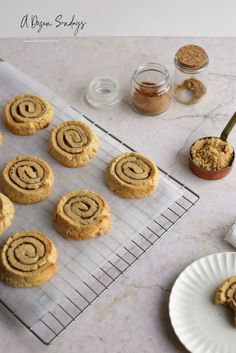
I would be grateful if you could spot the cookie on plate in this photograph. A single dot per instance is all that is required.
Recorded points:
(73, 144)
(27, 259)
(27, 180)
(7, 212)
(1, 138)
(82, 214)
(226, 294)
(25, 114)
(132, 175)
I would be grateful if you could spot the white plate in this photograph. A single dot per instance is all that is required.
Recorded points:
(200, 325)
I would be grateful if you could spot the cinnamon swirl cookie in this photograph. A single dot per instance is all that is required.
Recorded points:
(7, 212)
(132, 175)
(26, 114)
(27, 180)
(226, 294)
(73, 144)
(27, 259)
(82, 214)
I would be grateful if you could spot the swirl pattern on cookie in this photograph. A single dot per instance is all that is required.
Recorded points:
(26, 114)
(27, 180)
(27, 259)
(132, 175)
(82, 214)
(73, 144)
(226, 294)
(7, 212)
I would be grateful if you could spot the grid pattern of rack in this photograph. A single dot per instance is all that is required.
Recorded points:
(48, 310)
(58, 319)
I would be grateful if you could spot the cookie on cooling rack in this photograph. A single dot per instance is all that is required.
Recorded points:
(132, 175)
(27, 180)
(25, 114)
(7, 212)
(82, 214)
(27, 259)
(73, 144)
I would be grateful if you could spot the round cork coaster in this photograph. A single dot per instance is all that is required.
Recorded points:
(192, 56)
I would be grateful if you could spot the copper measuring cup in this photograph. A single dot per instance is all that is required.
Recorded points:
(214, 174)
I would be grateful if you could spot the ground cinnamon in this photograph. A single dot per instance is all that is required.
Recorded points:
(190, 91)
(148, 99)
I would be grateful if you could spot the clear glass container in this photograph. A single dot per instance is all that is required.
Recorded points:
(151, 89)
(190, 76)
(103, 92)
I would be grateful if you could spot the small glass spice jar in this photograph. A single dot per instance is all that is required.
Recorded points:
(151, 89)
(190, 77)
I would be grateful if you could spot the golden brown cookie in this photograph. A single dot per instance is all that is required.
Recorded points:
(27, 180)
(1, 138)
(226, 294)
(7, 212)
(132, 175)
(82, 214)
(27, 259)
(26, 114)
(73, 144)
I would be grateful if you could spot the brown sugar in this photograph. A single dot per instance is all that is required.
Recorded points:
(212, 153)
(149, 100)
(190, 91)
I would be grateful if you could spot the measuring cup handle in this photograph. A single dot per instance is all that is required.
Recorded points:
(225, 133)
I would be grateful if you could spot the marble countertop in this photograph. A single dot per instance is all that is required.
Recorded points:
(132, 315)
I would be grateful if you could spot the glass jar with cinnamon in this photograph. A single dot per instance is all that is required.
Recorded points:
(151, 89)
(190, 77)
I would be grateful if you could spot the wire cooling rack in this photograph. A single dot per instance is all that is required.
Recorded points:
(57, 320)
(49, 310)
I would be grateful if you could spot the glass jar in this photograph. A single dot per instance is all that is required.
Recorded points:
(103, 92)
(190, 77)
(151, 89)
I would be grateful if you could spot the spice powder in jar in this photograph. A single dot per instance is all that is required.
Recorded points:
(150, 89)
(190, 77)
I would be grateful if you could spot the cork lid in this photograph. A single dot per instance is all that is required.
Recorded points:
(192, 56)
